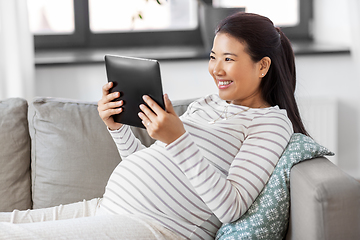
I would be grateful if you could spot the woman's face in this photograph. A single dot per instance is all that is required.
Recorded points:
(236, 75)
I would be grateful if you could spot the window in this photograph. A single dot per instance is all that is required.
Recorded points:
(293, 16)
(141, 15)
(51, 17)
(129, 23)
(282, 12)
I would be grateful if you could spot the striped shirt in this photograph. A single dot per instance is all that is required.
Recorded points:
(208, 176)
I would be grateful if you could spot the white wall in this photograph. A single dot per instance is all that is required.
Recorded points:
(338, 22)
(331, 21)
(181, 80)
(335, 77)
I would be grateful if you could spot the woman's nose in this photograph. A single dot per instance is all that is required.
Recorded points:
(218, 69)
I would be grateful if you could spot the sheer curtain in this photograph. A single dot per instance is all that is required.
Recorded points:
(354, 8)
(17, 68)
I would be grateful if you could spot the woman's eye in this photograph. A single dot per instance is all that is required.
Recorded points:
(212, 57)
(228, 59)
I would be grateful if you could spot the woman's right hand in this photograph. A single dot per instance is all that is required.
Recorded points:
(107, 108)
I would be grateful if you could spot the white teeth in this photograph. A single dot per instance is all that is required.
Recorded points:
(221, 83)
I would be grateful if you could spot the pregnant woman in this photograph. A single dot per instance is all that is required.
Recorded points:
(207, 166)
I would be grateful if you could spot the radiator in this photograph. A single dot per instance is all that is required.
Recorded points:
(320, 117)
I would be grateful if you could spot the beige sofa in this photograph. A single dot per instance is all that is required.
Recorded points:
(58, 151)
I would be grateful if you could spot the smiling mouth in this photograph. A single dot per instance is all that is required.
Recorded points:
(224, 83)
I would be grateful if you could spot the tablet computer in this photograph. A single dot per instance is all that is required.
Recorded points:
(133, 78)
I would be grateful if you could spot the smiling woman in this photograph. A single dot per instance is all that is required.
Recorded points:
(208, 165)
(237, 76)
(270, 61)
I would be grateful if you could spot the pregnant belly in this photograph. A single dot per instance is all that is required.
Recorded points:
(149, 183)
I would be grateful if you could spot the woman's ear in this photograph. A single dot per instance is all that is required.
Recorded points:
(265, 63)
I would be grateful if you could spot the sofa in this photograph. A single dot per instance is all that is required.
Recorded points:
(58, 151)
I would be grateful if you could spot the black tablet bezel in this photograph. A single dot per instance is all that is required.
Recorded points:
(133, 78)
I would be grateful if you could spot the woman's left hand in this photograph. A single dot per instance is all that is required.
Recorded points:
(164, 126)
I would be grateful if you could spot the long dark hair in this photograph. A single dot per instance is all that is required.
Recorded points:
(263, 39)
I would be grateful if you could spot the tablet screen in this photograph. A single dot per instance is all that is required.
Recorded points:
(133, 78)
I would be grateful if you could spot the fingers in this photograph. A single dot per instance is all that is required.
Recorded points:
(153, 105)
(108, 100)
(107, 113)
(106, 95)
(156, 109)
(110, 108)
(107, 107)
(144, 119)
(154, 113)
(147, 116)
(106, 88)
(168, 105)
(162, 125)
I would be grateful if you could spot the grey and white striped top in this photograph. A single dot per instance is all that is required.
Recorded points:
(208, 176)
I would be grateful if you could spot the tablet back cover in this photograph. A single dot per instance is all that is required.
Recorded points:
(133, 78)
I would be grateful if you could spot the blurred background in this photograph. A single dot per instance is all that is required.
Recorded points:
(56, 48)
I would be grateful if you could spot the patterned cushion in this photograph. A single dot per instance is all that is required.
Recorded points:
(268, 217)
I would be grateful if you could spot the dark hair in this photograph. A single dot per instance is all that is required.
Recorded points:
(263, 39)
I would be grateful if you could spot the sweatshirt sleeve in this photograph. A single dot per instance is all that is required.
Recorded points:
(230, 196)
(125, 141)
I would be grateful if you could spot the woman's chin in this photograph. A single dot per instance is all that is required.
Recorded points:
(224, 97)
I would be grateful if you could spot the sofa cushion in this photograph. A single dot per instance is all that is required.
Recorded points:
(268, 216)
(73, 154)
(15, 183)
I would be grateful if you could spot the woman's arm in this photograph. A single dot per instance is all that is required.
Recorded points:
(229, 197)
(125, 141)
(123, 137)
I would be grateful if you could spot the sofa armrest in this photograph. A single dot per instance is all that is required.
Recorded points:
(325, 202)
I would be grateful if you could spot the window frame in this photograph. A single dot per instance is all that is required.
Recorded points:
(76, 39)
(302, 31)
(84, 38)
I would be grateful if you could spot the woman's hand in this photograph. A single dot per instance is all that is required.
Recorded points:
(107, 108)
(162, 125)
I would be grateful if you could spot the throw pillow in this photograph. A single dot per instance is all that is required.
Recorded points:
(73, 154)
(268, 217)
(15, 182)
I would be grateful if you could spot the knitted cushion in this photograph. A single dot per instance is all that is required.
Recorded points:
(268, 217)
